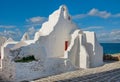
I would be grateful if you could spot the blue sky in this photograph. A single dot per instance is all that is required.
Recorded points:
(101, 16)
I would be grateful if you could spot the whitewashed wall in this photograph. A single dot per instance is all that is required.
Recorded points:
(48, 48)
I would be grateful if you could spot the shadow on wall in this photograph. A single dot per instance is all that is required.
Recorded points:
(58, 65)
(102, 77)
(90, 52)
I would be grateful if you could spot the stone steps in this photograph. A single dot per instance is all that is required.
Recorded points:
(109, 76)
(106, 76)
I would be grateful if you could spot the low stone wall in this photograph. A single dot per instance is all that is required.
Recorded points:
(29, 70)
(112, 57)
(20, 71)
(38, 69)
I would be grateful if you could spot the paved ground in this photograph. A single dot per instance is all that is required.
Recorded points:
(109, 72)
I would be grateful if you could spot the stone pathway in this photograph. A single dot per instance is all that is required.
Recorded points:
(109, 72)
(109, 76)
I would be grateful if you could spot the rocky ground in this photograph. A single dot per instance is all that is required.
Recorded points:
(109, 72)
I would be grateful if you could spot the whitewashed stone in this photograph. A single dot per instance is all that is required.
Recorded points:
(48, 48)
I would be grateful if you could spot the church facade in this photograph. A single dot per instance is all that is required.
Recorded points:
(59, 46)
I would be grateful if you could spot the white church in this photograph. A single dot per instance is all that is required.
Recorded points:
(59, 46)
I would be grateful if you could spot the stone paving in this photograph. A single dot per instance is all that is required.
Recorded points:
(109, 72)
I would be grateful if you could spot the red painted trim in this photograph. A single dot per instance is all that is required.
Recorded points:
(66, 45)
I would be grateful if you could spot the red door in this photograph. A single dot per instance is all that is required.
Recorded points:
(66, 45)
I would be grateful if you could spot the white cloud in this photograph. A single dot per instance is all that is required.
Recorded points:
(115, 32)
(116, 15)
(31, 31)
(37, 19)
(79, 16)
(32, 25)
(97, 13)
(113, 36)
(15, 34)
(7, 26)
(93, 28)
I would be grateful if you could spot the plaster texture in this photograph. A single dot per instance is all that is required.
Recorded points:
(59, 46)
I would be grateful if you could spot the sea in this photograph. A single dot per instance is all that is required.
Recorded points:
(111, 48)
